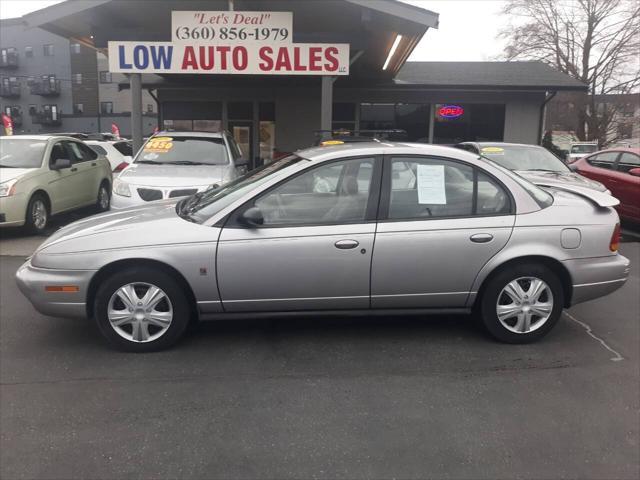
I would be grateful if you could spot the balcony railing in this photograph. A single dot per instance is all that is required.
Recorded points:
(11, 90)
(46, 88)
(46, 118)
(9, 60)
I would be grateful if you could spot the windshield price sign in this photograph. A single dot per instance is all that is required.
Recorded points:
(229, 58)
(231, 26)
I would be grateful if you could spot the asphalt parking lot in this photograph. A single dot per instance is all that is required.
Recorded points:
(374, 398)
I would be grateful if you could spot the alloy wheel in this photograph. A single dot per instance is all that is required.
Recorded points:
(103, 198)
(524, 304)
(140, 312)
(39, 214)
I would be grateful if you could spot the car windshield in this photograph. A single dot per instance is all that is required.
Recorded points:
(515, 157)
(182, 150)
(583, 148)
(21, 153)
(201, 206)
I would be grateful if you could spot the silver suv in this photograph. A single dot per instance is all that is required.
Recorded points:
(177, 164)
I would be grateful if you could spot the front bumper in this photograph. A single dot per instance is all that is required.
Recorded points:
(120, 202)
(33, 280)
(13, 210)
(597, 277)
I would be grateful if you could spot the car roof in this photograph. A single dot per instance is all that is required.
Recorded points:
(188, 134)
(321, 154)
(619, 149)
(42, 137)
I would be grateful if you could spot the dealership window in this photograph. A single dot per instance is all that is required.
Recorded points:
(455, 123)
(48, 50)
(189, 116)
(77, 78)
(106, 107)
(28, 52)
(343, 117)
(78, 108)
(105, 77)
(395, 121)
(241, 126)
(75, 48)
(267, 116)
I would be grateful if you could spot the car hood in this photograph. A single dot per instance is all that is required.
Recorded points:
(7, 174)
(146, 225)
(553, 179)
(176, 175)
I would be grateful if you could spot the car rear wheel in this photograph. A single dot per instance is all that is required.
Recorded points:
(141, 309)
(103, 202)
(37, 217)
(522, 303)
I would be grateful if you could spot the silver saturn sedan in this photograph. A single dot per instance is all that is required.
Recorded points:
(368, 228)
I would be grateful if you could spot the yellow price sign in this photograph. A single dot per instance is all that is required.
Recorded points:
(159, 145)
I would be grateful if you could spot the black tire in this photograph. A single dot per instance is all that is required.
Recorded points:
(103, 200)
(174, 292)
(32, 223)
(489, 300)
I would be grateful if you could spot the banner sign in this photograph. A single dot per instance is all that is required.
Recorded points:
(252, 58)
(8, 124)
(231, 26)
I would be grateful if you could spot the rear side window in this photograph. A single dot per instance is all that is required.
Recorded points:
(603, 160)
(98, 149)
(628, 161)
(424, 188)
(87, 153)
(124, 148)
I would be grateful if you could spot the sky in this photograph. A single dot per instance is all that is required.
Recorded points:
(467, 32)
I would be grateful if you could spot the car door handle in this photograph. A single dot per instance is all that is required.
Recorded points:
(481, 237)
(93, 164)
(346, 244)
(74, 169)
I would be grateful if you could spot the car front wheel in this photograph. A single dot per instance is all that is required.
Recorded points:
(37, 217)
(141, 309)
(522, 303)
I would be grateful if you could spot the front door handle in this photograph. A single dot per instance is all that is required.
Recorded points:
(74, 169)
(346, 244)
(481, 238)
(93, 164)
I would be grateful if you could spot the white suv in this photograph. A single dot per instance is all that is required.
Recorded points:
(43, 175)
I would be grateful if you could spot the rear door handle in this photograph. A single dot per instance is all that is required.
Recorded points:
(93, 164)
(481, 238)
(74, 169)
(346, 244)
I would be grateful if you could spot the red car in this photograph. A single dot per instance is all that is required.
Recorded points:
(619, 170)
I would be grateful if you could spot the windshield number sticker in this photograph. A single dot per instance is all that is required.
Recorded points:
(159, 145)
(493, 150)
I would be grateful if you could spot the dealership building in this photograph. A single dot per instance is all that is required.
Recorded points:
(312, 66)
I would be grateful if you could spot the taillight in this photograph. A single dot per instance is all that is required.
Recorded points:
(121, 167)
(615, 239)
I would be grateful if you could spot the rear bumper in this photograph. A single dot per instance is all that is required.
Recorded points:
(33, 280)
(597, 277)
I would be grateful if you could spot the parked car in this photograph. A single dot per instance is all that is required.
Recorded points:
(177, 164)
(581, 149)
(119, 152)
(619, 170)
(44, 175)
(462, 234)
(535, 163)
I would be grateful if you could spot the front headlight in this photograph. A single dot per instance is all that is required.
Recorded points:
(121, 188)
(8, 188)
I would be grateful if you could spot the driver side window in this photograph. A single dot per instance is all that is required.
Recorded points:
(57, 153)
(334, 193)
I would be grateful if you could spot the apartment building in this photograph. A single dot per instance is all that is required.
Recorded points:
(50, 84)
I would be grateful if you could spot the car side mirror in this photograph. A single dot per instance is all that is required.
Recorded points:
(61, 163)
(635, 172)
(252, 217)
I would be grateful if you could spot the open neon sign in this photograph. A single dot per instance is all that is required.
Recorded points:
(451, 111)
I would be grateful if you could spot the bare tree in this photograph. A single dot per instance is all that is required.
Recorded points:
(594, 41)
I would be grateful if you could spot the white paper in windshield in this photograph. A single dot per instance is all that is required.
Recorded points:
(431, 189)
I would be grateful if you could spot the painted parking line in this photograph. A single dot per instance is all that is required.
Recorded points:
(617, 357)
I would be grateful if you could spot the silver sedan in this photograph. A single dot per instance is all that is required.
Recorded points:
(372, 229)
